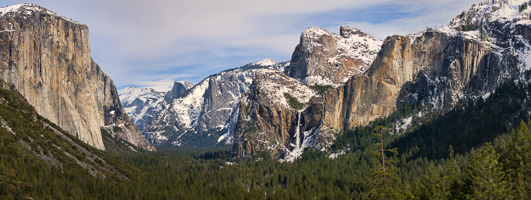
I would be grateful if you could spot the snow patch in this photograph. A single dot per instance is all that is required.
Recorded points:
(4, 125)
(274, 85)
(29, 9)
(266, 62)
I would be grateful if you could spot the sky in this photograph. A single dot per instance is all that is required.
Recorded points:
(153, 43)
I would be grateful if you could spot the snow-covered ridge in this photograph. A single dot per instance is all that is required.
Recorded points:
(140, 102)
(325, 58)
(274, 85)
(131, 93)
(479, 15)
(29, 9)
(487, 18)
(188, 107)
(359, 46)
(353, 43)
(497, 10)
(266, 62)
(209, 107)
(186, 84)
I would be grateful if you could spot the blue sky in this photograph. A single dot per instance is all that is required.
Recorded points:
(153, 43)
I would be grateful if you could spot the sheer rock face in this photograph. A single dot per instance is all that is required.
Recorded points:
(142, 104)
(443, 67)
(207, 112)
(326, 58)
(47, 58)
(440, 67)
(399, 71)
(267, 121)
(178, 89)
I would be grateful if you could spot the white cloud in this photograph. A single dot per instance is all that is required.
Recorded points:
(202, 37)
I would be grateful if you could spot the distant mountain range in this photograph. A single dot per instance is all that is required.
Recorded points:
(355, 79)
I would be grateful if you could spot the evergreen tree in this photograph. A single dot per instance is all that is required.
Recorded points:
(516, 159)
(485, 176)
(383, 178)
(451, 173)
(431, 184)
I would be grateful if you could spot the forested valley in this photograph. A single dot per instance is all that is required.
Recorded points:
(493, 164)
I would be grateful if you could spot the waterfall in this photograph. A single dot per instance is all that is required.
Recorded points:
(297, 131)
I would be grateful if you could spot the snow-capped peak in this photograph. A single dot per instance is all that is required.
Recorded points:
(490, 11)
(29, 9)
(12, 8)
(314, 33)
(141, 103)
(352, 42)
(131, 93)
(186, 84)
(266, 62)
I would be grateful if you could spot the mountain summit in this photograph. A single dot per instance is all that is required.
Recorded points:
(324, 58)
(47, 58)
(479, 51)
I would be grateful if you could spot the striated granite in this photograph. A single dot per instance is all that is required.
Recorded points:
(268, 121)
(47, 58)
(206, 114)
(324, 58)
(443, 67)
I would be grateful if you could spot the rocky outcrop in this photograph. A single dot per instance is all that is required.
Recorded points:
(325, 58)
(178, 89)
(141, 104)
(404, 71)
(443, 67)
(270, 117)
(206, 114)
(47, 58)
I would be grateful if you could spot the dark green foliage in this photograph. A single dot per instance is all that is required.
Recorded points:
(383, 180)
(469, 27)
(321, 89)
(484, 176)
(424, 168)
(469, 126)
(25, 139)
(482, 34)
(516, 160)
(293, 102)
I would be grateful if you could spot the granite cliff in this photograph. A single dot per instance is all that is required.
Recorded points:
(142, 104)
(47, 58)
(325, 58)
(206, 114)
(468, 59)
(270, 116)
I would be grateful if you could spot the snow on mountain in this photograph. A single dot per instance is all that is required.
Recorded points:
(271, 117)
(325, 58)
(208, 110)
(480, 50)
(29, 9)
(141, 103)
(277, 85)
(129, 94)
(502, 24)
(266, 62)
